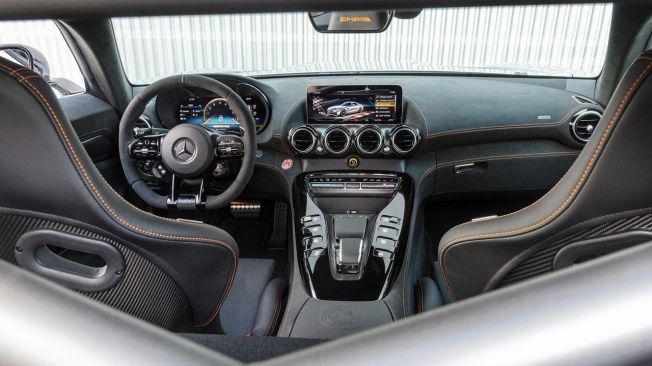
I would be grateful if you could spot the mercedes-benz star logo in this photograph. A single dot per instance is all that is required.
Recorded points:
(184, 150)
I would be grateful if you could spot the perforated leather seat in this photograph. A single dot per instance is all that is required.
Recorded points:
(602, 204)
(173, 274)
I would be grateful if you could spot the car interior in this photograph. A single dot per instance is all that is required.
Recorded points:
(224, 182)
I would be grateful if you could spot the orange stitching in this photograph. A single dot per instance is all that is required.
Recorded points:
(277, 310)
(525, 125)
(587, 170)
(507, 157)
(107, 208)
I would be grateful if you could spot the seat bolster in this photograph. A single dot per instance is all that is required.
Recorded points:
(571, 201)
(428, 295)
(269, 308)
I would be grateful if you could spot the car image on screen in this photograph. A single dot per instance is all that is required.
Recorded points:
(345, 108)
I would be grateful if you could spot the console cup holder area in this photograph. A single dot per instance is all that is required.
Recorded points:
(351, 232)
(77, 262)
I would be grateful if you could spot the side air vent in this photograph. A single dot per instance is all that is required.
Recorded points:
(141, 126)
(303, 139)
(584, 123)
(583, 99)
(369, 140)
(404, 139)
(337, 140)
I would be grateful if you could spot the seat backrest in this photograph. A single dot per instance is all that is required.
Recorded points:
(605, 195)
(49, 182)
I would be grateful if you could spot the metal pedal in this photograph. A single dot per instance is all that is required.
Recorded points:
(244, 209)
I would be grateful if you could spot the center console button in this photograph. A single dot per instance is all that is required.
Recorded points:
(353, 186)
(389, 220)
(327, 185)
(315, 252)
(313, 242)
(388, 232)
(378, 185)
(312, 230)
(385, 256)
(385, 244)
(380, 253)
(311, 218)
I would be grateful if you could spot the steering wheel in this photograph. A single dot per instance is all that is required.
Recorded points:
(187, 152)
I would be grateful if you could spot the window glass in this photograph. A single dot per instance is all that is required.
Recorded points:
(44, 36)
(550, 40)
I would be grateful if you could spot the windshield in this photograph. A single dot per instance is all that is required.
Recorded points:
(549, 40)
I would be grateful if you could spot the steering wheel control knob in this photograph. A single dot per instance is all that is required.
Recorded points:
(187, 150)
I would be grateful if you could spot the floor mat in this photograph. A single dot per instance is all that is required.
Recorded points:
(252, 349)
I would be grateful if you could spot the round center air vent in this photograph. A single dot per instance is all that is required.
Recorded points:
(404, 140)
(337, 140)
(303, 140)
(584, 123)
(369, 140)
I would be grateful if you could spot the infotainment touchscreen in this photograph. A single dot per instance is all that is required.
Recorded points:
(361, 104)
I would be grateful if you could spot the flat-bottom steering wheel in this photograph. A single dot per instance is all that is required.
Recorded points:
(187, 151)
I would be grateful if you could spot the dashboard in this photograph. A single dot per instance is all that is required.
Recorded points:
(457, 125)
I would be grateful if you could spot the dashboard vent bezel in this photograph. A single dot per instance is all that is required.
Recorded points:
(293, 139)
(396, 132)
(575, 126)
(329, 132)
(369, 129)
(583, 99)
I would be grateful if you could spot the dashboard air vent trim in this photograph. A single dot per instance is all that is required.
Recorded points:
(303, 139)
(583, 124)
(400, 136)
(583, 99)
(366, 133)
(333, 133)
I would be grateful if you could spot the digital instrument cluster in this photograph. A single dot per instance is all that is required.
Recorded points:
(214, 112)
(201, 107)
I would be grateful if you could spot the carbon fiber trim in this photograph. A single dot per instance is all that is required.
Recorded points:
(541, 262)
(145, 290)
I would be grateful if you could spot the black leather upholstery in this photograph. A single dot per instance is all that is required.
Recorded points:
(47, 175)
(254, 304)
(428, 295)
(609, 181)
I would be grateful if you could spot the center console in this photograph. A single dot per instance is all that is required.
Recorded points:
(352, 205)
(351, 232)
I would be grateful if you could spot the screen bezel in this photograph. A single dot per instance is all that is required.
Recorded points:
(395, 88)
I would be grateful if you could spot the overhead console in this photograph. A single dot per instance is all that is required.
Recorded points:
(367, 119)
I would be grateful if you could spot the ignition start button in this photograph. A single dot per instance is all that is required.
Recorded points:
(353, 162)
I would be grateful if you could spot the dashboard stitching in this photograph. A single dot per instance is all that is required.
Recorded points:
(108, 209)
(587, 170)
(527, 125)
(507, 157)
